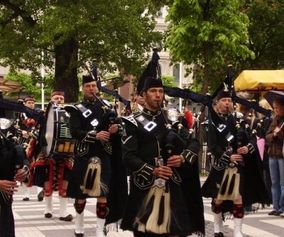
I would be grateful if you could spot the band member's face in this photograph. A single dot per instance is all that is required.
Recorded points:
(278, 109)
(224, 105)
(90, 89)
(57, 99)
(30, 104)
(153, 98)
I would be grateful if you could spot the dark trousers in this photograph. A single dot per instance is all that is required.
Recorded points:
(7, 225)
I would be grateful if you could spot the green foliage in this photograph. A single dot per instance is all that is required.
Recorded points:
(113, 33)
(168, 81)
(209, 34)
(266, 34)
(30, 84)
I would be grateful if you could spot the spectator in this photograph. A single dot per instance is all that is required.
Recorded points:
(274, 138)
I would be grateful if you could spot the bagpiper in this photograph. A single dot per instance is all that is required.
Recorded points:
(235, 179)
(164, 196)
(91, 123)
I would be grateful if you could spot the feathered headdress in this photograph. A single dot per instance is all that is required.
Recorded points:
(151, 77)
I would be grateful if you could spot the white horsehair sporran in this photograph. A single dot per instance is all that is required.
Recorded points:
(155, 213)
(230, 185)
(92, 184)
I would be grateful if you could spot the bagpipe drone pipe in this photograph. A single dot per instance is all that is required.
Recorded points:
(18, 107)
(207, 100)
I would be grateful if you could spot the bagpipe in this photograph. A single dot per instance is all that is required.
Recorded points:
(32, 118)
(207, 100)
(24, 136)
(109, 117)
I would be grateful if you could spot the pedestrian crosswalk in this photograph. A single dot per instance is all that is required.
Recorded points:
(30, 221)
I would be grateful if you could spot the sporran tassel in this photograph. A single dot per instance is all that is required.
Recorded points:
(164, 227)
(229, 189)
(154, 216)
(92, 179)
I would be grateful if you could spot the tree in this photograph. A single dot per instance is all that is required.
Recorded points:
(66, 35)
(29, 85)
(266, 34)
(168, 81)
(209, 34)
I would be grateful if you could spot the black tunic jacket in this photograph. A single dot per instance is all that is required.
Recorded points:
(79, 128)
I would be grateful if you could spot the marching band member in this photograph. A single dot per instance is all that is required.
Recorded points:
(26, 125)
(52, 170)
(235, 179)
(13, 168)
(165, 196)
(90, 177)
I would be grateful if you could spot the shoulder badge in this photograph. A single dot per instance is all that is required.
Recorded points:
(69, 108)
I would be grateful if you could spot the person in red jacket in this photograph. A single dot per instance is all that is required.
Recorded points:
(188, 117)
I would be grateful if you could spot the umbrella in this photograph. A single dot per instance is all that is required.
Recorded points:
(270, 96)
(260, 80)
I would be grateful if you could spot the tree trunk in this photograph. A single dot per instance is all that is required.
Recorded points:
(66, 64)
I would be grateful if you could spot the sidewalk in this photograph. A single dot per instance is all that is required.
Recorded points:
(30, 221)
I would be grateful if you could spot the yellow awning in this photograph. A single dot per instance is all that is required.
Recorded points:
(260, 80)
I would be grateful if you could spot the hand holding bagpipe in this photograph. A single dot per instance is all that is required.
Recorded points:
(103, 136)
(175, 161)
(242, 150)
(173, 140)
(113, 128)
(163, 171)
(236, 158)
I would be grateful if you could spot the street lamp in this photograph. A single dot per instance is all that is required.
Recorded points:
(42, 74)
(180, 83)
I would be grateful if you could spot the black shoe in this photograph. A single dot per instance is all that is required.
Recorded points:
(79, 234)
(220, 234)
(274, 213)
(66, 218)
(26, 199)
(279, 213)
(40, 196)
(47, 215)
